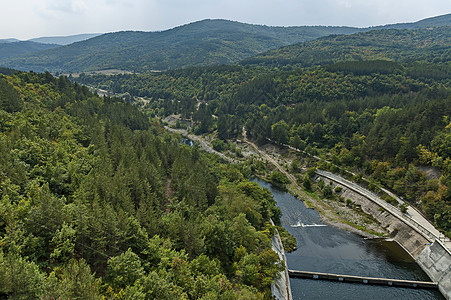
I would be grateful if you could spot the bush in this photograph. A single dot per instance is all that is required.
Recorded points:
(307, 183)
(219, 145)
(311, 172)
(180, 125)
(278, 178)
(390, 200)
(338, 189)
(295, 165)
(327, 191)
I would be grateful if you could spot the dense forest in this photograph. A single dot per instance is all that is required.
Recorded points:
(429, 44)
(383, 119)
(99, 201)
(16, 48)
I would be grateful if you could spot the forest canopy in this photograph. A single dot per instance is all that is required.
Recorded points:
(384, 119)
(99, 201)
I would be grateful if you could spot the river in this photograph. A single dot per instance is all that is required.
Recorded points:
(328, 249)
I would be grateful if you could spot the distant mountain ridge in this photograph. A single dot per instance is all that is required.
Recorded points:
(64, 40)
(15, 48)
(202, 43)
(443, 20)
(12, 40)
(207, 42)
(402, 45)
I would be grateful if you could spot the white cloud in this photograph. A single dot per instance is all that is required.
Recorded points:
(124, 3)
(65, 6)
(59, 10)
(344, 3)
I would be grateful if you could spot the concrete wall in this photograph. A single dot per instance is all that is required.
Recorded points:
(435, 260)
(412, 241)
(281, 289)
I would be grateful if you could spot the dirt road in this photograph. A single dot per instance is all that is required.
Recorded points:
(202, 142)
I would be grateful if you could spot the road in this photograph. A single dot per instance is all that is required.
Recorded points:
(273, 161)
(412, 218)
(202, 142)
(270, 159)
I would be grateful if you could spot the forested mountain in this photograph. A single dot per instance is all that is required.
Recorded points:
(98, 202)
(381, 118)
(6, 71)
(398, 45)
(443, 20)
(12, 40)
(207, 42)
(64, 40)
(11, 49)
(202, 43)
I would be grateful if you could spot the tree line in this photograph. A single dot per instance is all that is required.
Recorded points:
(385, 119)
(99, 201)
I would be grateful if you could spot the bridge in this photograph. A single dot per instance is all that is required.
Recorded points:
(364, 280)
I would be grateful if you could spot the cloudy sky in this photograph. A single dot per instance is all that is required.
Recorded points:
(26, 19)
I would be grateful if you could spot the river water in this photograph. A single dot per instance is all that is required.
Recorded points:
(328, 249)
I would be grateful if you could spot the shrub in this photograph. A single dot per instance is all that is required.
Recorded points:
(338, 189)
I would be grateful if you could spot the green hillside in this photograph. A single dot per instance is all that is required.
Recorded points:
(398, 45)
(64, 40)
(208, 42)
(384, 120)
(443, 20)
(12, 49)
(213, 42)
(99, 202)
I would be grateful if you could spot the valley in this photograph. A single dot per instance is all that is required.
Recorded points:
(160, 165)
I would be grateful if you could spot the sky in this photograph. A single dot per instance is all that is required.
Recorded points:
(25, 19)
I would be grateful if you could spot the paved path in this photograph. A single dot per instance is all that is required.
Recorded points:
(417, 216)
(412, 218)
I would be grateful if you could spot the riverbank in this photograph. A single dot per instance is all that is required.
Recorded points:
(332, 212)
(328, 249)
(357, 214)
(345, 209)
(335, 213)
